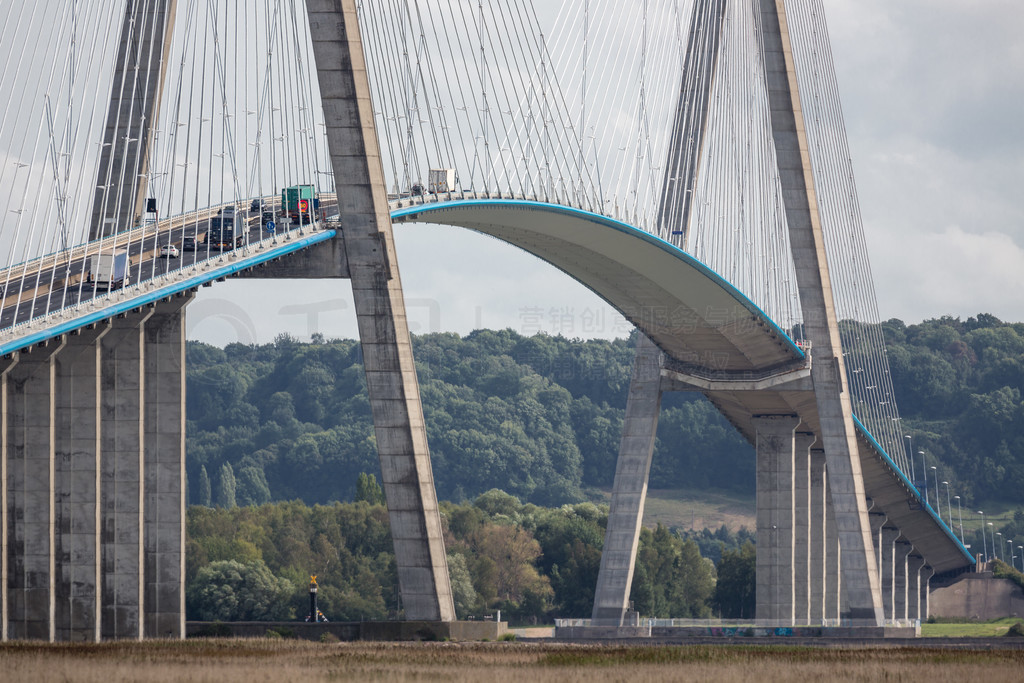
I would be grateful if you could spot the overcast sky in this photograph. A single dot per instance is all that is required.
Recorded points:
(933, 94)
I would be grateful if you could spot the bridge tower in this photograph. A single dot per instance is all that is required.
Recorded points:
(800, 498)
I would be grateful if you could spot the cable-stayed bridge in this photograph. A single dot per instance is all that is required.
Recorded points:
(685, 160)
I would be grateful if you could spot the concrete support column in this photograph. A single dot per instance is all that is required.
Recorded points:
(915, 563)
(380, 311)
(122, 471)
(887, 547)
(632, 469)
(30, 480)
(835, 599)
(6, 364)
(924, 588)
(164, 480)
(900, 578)
(817, 545)
(775, 517)
(78, 486)
(802, 527)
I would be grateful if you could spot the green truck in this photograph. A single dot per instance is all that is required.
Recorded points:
(300, 203)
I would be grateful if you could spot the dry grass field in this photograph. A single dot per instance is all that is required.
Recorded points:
(259, 660)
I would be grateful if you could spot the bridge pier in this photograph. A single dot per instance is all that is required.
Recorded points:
(802, 527)
(93, 481)
(915, 563)
(629, 491)
(775, 518)
(901, 552)
(818, 551)
(887, 554)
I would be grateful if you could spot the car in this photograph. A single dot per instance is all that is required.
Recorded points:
(266, 217)
(169, 251)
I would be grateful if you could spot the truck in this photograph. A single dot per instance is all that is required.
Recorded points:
(300, 203)
(223, 235)
(109, 270)
(441, 180)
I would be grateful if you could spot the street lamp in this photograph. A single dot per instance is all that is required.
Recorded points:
(991, 531)
(960, 516)
(984, 542)
(938, 506)
(949, 506)
(910, 449)
(1010, 541)
(1020, 548)
(1000, 551)
(924, 475)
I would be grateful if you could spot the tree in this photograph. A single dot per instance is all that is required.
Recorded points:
(204, 494)
(369, 490)
(226, 486)
(463, 592)
(231, 591)
(735, 591)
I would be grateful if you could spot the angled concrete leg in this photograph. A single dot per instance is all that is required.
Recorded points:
(817, 546)
(78, 486)
(888, 573)
(380, 310)
(775, 517)
(900, 579)
(632, 469)
(802, 527)
(30, 480)
(164, 480)
(121, 479)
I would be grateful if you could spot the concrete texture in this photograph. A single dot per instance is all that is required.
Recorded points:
(775, 519)
(835, 415)
(816, 541)
(802, 527)
(915, 563)
(164, 467)
(629, 491)
(380, 311)
(888, 572)
(78, 486)
(30, 480)
(121, 476)
(901, 579)
(978, 596)
(6, 365)
(139, 70)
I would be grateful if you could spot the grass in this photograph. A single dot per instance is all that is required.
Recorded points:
(700, 508)
(275, 660)
(968, 629)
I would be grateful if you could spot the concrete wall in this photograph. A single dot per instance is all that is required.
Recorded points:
(978, 596)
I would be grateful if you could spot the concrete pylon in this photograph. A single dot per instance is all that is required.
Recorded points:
(164, 471)
(888, 554)
(140, 66)
(632, 469)
(380, 311)
(802, 527)
(775, 575)
(78, 485)
(828, 374)
(901, 578)
(6, 365)
(817, 541)
(915, 563)
(835, 597)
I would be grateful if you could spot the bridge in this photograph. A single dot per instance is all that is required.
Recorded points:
(717, 214)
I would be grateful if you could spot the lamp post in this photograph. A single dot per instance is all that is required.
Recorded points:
(960, 516)
(938, 505)
(984, 541)
(1020, 553)
(1000, 551)
(1010, 551)
(924, 475)
(949, 506)
(993, 532)
(910, 449)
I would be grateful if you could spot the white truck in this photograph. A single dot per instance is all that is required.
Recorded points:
(441, 180)
(109, 270)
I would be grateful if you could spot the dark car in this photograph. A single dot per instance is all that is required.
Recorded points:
(188, 244)
(266, 217)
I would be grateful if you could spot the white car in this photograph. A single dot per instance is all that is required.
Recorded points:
(169, 251)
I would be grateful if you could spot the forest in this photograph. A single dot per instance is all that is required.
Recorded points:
(532, 563)
(541, 416)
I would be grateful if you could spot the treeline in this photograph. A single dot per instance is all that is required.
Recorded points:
(532, 563)
(541, 416)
